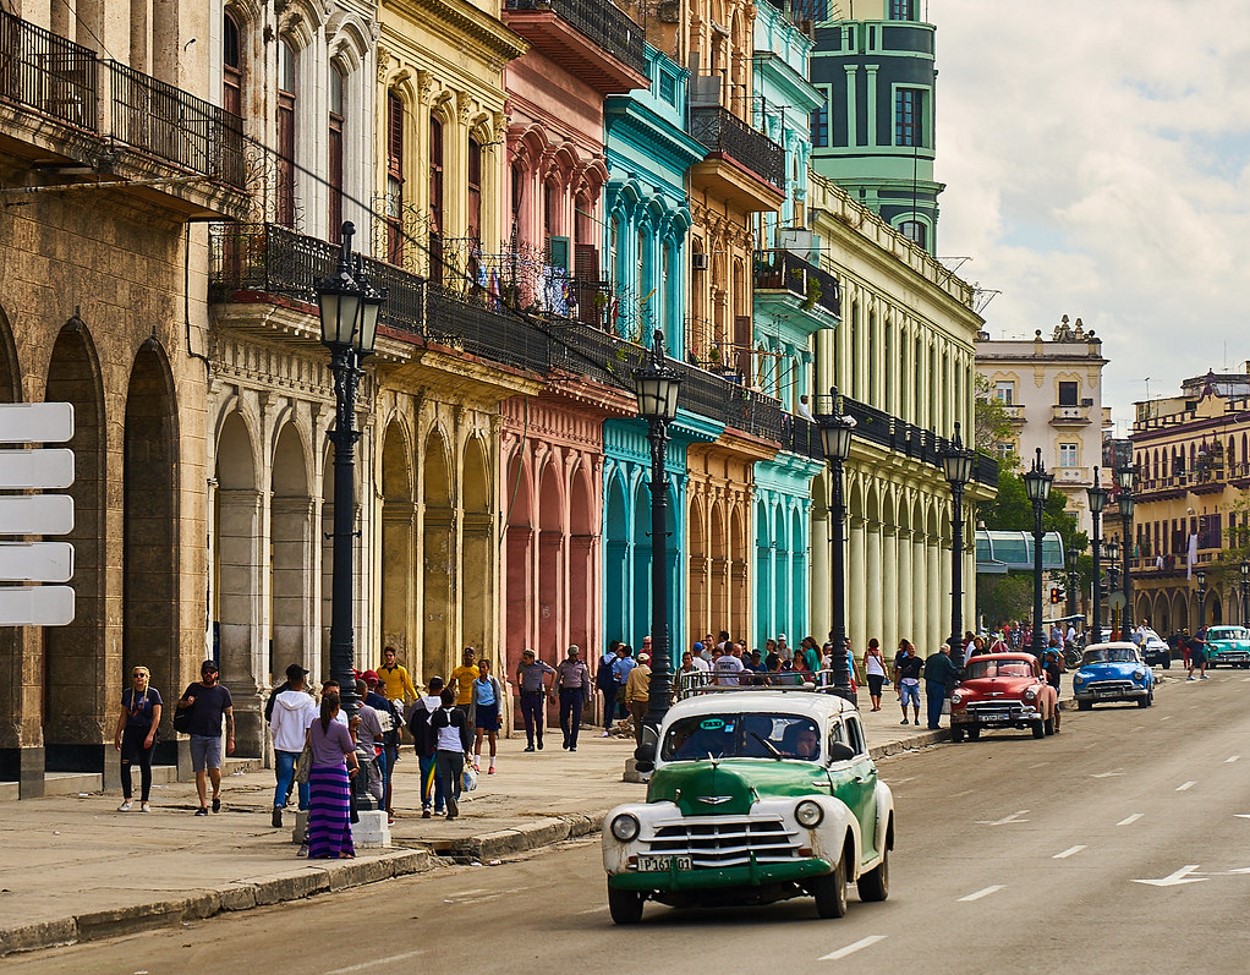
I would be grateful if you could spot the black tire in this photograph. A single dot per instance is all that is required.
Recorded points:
(1048, 726)
(974, 732)
(1039, 728)
(1167, 663)
(1145, 702)
(1084, 705)
(830, 892)
(957, 734)
(625, 906)
(875, 884)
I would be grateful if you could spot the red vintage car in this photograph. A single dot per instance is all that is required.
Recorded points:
(1003, 690)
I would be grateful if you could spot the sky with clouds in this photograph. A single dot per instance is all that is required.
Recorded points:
(1097, 162)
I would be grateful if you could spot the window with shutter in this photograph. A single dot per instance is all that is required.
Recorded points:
(335, 145)
(394, 178)
(285, 204)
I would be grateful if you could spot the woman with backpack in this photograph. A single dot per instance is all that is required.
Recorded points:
(425, 744)
(452, 748)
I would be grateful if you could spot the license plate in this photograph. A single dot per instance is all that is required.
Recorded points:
(650, 863)
(992, 718)
(1106, 693)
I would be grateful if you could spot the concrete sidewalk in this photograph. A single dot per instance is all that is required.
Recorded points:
(75, 869)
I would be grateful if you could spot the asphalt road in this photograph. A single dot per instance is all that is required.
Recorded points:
(1014, 855)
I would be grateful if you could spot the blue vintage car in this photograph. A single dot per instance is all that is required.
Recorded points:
(1113, 672)
(1228, 645)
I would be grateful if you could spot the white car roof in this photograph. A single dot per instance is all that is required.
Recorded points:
(1117, 645)
(808, 703)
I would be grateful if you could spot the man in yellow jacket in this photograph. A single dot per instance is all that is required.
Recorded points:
(638, 693)
(396, 682)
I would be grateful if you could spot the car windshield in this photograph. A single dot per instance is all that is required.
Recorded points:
(1227, 633)
(731, 735)
(997, 668)
(1114, 655)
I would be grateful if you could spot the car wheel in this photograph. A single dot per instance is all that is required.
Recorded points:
(1145, 702)
(875, 884)
(957, 734)
(830, 892)
(1167, 664)
(625, 906)
(1039, 728)
(974, 733)
(1084, 705)
(1048, 726)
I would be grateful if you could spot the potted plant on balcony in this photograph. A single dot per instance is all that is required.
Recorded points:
(814, 293)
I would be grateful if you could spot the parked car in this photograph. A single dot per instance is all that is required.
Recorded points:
(1228, 645)
(1155, 649)
(1113, 672)
(1003, 690)
(754, 796)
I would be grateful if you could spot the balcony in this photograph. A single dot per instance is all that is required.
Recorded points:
(743, 166)
(1071, 416)
(783, 272)
(591, 39)
(1014, 413)
(102, 116)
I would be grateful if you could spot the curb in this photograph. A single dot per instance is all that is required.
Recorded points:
(547, 831)
(295, 885)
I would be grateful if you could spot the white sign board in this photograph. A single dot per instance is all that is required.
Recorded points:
(36, 606)
(37, 514)
(36, 422)
(36, 561)
(51, 468)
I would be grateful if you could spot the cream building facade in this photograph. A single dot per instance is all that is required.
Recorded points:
(1052, 391)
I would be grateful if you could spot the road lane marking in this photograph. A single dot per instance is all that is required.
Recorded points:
(1070, 851)
(1040, 765)
(850, 949)
(1242, 815)
(594, 910)
(1185, 786)
(1130, 820)
(1106, 775)
(377, 961)
(1245, 680)
(1013, 818)
(1175, 878)
(983, 892)
(1166, 717)
(1231, 759)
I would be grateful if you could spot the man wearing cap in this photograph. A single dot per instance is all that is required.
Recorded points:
(390, 719)
(208, 702)
(573, 684)
(638, 693)
(531, 676)
(293, 711)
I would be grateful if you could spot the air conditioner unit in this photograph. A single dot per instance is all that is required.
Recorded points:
(698, 261)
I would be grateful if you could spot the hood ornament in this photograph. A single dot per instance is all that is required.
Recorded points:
(715, 800)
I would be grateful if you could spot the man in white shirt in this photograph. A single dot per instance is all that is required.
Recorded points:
(726, 670)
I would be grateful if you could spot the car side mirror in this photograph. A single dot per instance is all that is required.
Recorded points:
(840, 751)
(644, 754)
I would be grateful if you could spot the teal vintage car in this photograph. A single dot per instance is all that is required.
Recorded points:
(754, 796)
(1229, 645)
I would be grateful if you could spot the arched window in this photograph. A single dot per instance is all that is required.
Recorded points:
(335, 138)
(437, 212)
(474, 225)
(915, 231)
(394, 178)
(285, 204)
(232, 67)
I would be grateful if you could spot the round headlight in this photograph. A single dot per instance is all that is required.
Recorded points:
(809, 813)
(625, 827)
(1078, 679)
(957, 698)
(1139, 675)
(1030, 693)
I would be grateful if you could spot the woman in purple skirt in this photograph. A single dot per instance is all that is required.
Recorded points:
(329, 780)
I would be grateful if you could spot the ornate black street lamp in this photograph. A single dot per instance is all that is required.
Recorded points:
(1097, 501)
(1037, 485)
(1073, 582)
(1113, 577)
(349, 309)
(1202, 599)
(1245, 593)
(835, 439)
(657, 385)
(1126, 477)
(957, 465)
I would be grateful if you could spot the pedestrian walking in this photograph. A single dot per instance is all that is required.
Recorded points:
(907, 670)
(638, 693)
(390, 716)
(370, 734)
(535, 693)
(136, 736)
(209, 702)
(1198, 655)
(425, 744)
(940, 677)
(605, 682)
(461, 681)
(396, 682)
(874, 668)
(451, 730)
(293, 711)
(487, 703)
(573, 688)
(333, 766)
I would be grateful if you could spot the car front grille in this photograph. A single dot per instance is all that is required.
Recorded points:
(1110, 686)
(1010, 709)
(726, 842)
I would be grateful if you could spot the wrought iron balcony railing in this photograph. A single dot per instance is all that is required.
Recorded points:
(783, 270)
(600, 22)
(719, 130)
(57, 78)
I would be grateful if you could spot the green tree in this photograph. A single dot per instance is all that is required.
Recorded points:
(1004, 597)
(991, 420)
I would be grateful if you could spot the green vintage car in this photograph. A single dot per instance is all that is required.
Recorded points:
(755, 796)
(1228, 645)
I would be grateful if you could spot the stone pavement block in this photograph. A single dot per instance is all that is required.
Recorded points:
(355, 873)
(291, 886)
(240, 897)
(130, 918)
(44, 934)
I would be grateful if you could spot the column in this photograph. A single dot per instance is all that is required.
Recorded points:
(820, 620)
(856, 610)
(933, 591)
(906, 587)
(873, 579)
(889, 587)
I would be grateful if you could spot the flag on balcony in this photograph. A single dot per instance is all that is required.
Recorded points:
(1191, 556)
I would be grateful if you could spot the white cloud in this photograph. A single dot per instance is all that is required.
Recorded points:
(1097, 162)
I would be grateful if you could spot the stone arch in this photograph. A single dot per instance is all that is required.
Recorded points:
(582, 558)
(617, 574)
(739, 573)
(438, 537)
(642, 549)
(477, 547)
(292, 539)
(518, 548)
(77, 678)
(399, 542)
(10, 371)
(550, 583)
(696, 528)
(150, 590)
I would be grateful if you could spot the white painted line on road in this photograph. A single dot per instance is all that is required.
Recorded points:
(1231, 759)
(1245, 680)
(1242, 815)
(1039, 765)
(1106, 775)
(1175, 878)
(983, 892)
(1070, 851)
(1013, 818)
(1185, 786)
(594, 910)
(960, 795)
(1166, 717)
(364, 965)
(1130, 820)
(850, 949)
(910, 778)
